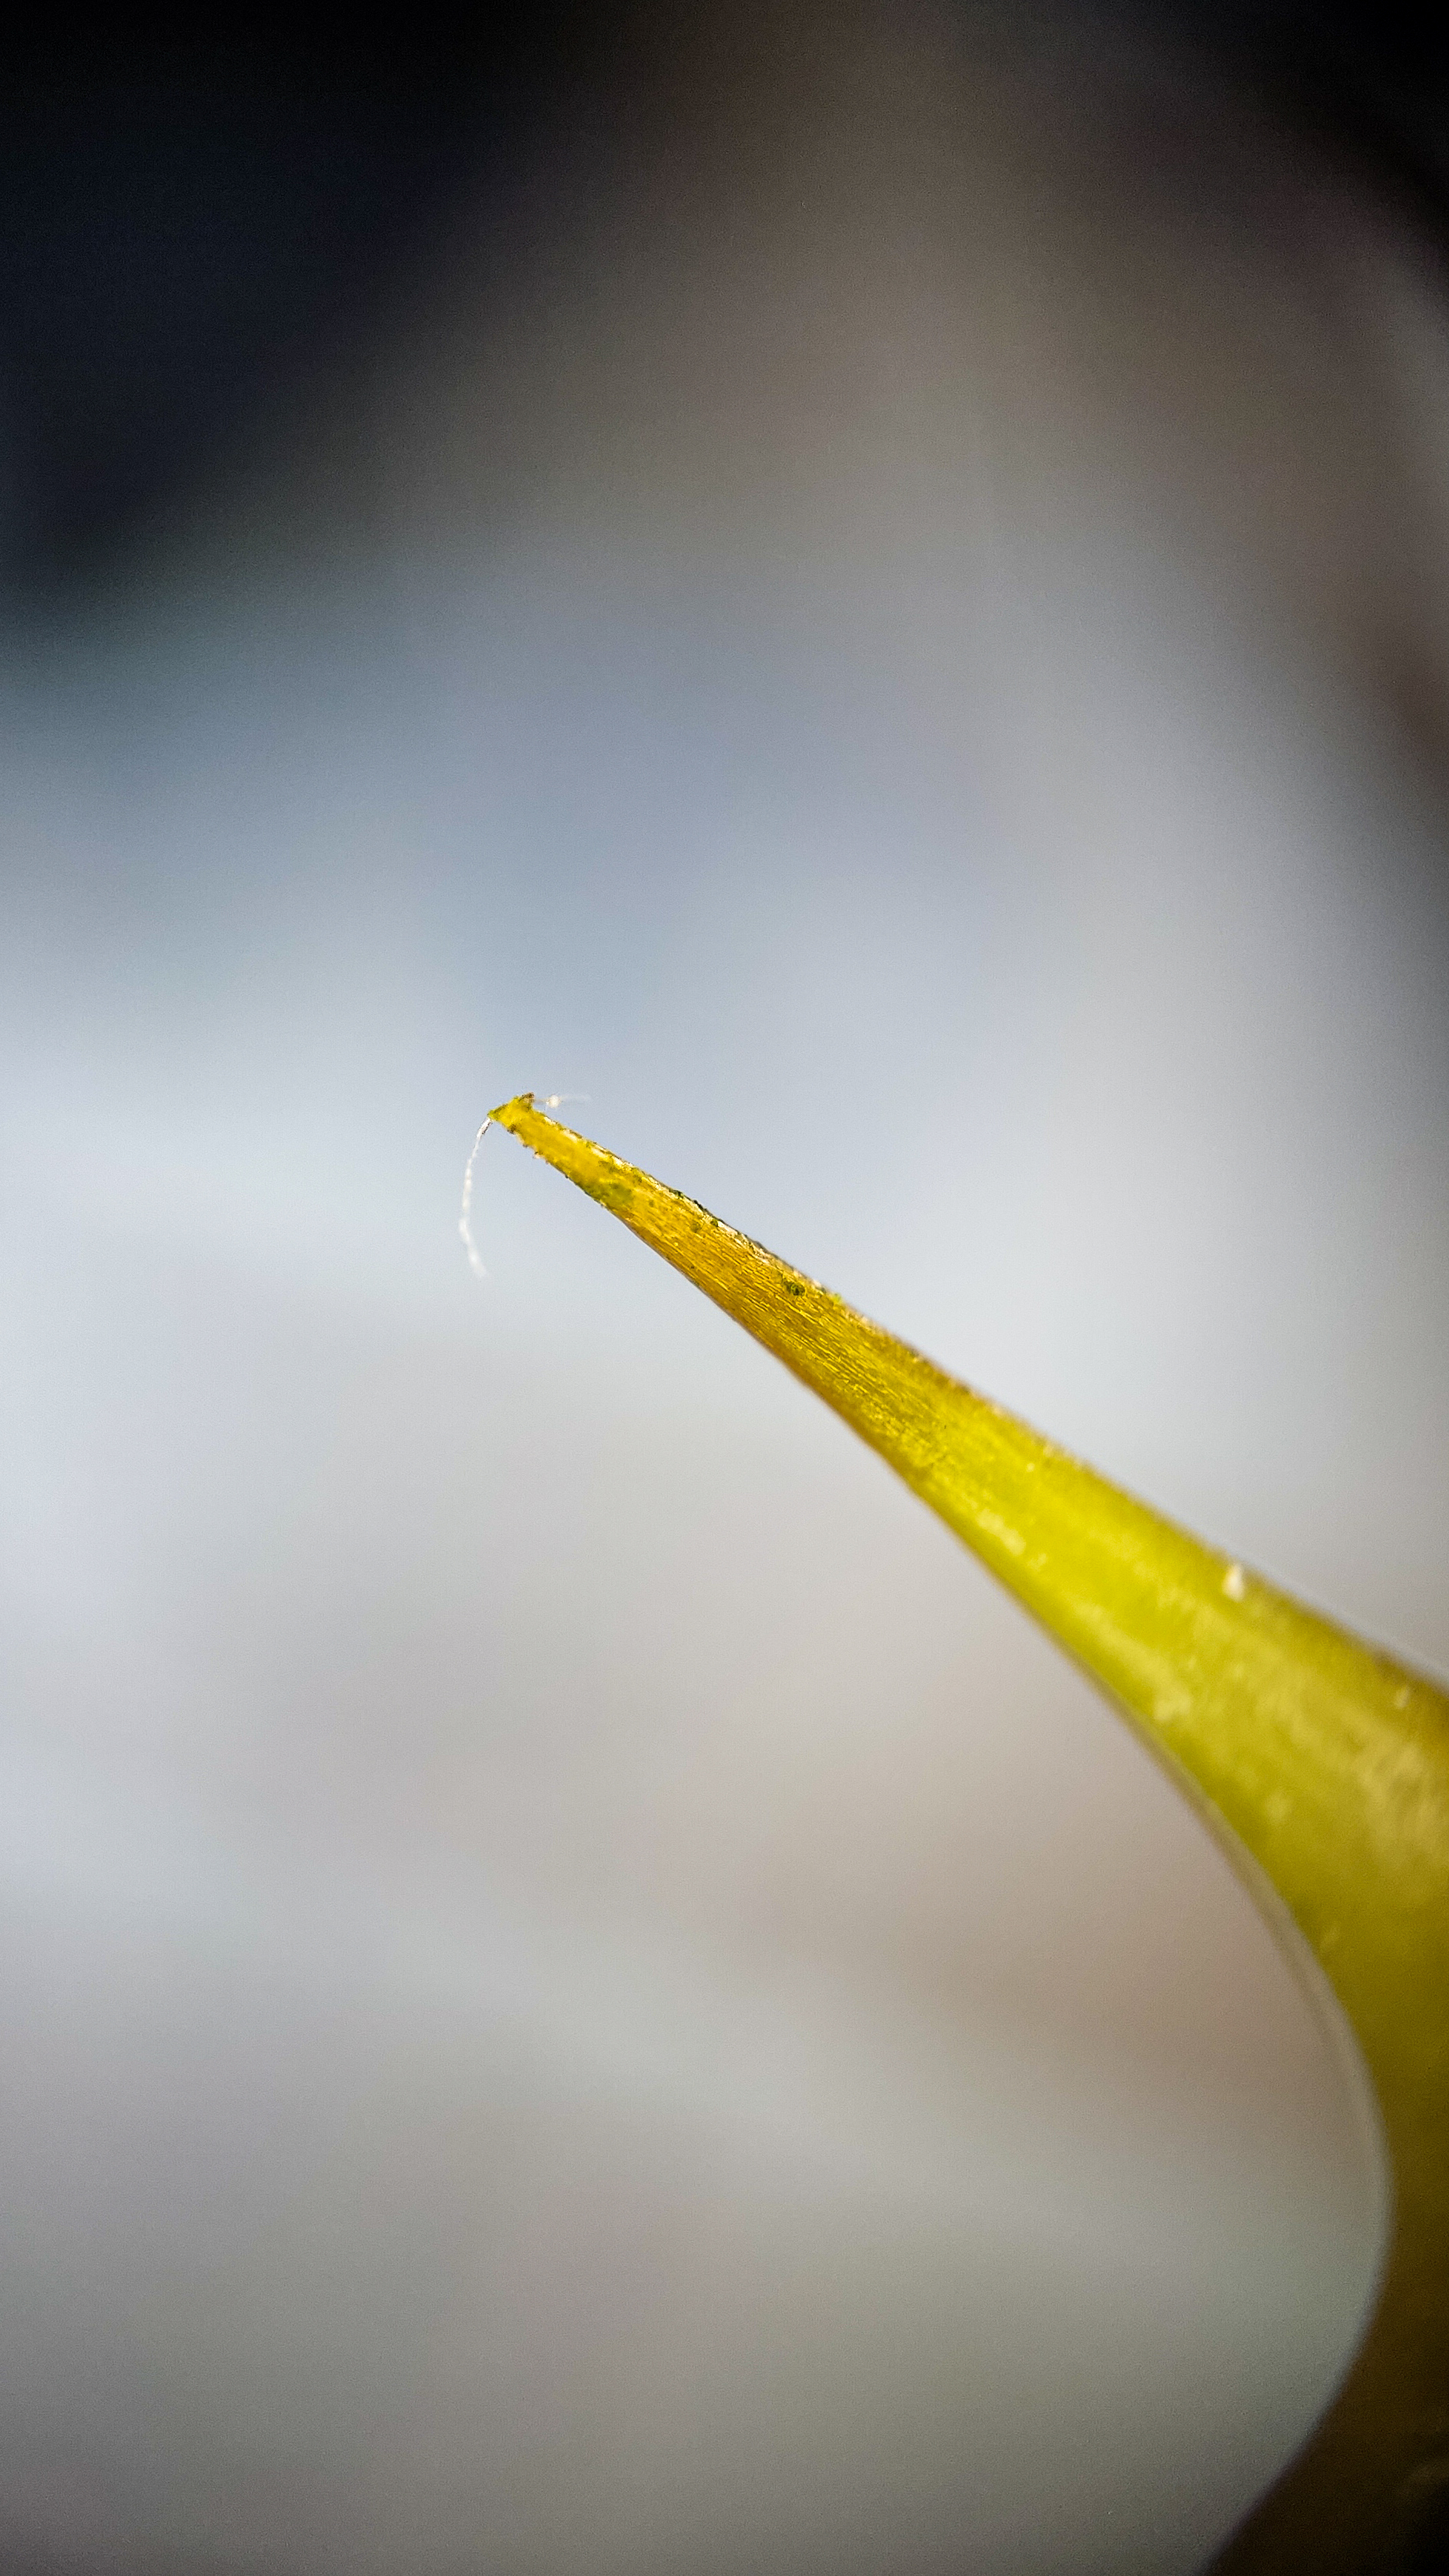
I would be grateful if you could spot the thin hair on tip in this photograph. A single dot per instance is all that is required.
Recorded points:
(465, 1206)
(554, 1100)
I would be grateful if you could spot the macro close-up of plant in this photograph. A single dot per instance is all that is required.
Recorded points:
(1324, 1763)
(591, 1985)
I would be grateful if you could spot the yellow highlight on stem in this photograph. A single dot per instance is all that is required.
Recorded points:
(1324, 1760)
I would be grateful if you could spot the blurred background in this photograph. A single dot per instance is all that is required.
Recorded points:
(865, 587)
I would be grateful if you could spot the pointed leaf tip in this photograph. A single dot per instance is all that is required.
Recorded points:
(1321, 1763)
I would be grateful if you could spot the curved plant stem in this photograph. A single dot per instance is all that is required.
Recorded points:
(1321, 1764)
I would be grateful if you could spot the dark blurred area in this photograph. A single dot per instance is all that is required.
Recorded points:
(194, 226)
(194, 221)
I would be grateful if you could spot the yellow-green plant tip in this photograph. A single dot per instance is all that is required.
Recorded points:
(1323, 1760)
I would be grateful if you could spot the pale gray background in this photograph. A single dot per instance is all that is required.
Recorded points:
(579, 1992)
